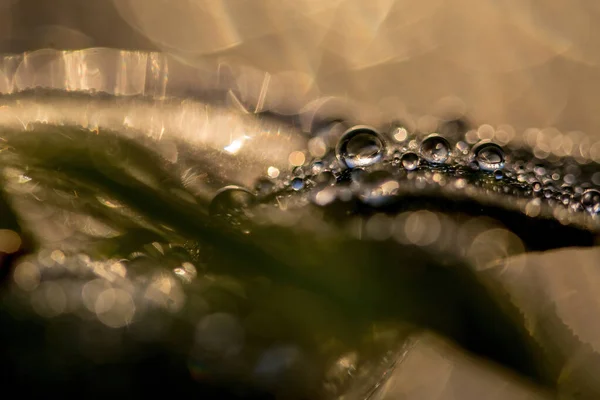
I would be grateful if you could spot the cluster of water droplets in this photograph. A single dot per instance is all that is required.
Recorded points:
(378, 169)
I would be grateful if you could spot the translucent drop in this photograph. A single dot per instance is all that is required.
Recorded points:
(230, 200)
(359, 147)
(358, 175)
(297, 183)
(435, 149)
(325, 177)
(489, 156)
(410, 161)
(498, 174)
(591, 201)
(317, 167)
(264, 186)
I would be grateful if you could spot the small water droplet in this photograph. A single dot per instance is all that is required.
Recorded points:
(489, 156)
(325, 177)
(264, 186)
(591, 201)
(359, 147)
(498, 174)
(435, 149)
(230, 201)
(358, 175)
(317, 167)
(298, 171)
(410, 161)
(297, 183)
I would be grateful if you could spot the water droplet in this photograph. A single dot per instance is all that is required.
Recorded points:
(489, 156)
(454, 128)
(498, 174)
(230, 201)
(358, 175)
(591, 201)
(359, 147)
(410, 161)
(297, 183)
(317, 167)
(264, 186)
(298, 171)
(435, 149)
(325, 177)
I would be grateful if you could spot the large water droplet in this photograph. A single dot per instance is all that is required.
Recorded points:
(489, 156)
(230, 201)
(435, 149)
(410, 161)
(591, 201)
(359, 147)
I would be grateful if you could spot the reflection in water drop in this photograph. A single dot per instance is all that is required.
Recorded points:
(489, 156)
(297, 183)
(410, 161)
(325, 177)
(591, 201)
(360, 147)
(435, 149)
(230, 201)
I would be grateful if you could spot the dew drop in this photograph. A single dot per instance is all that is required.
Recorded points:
(591, 201)
(325, 177)
(498, 174)
(410, 161)
(435, 149)
(489, 156)
(297, 183)
(359, 147)
(317, 167)
(264, 186)
(230, 200)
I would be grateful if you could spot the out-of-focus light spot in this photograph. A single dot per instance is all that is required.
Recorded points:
(158, 247)
(400, 134)
(220, 334)
(297, 158)
(187, 272)
(325, 196)
(533, 208)
(49, 300)
(379, 227)
(317, 147)
(276, 362)
(111, 203)
(165, 291)
(485, 132)
(27, 276)
(492, 246)
(422, 228)
(236, 145)
(273, 172)
(91, 291)
(10, 241)
(114, 308)
(58, 256)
